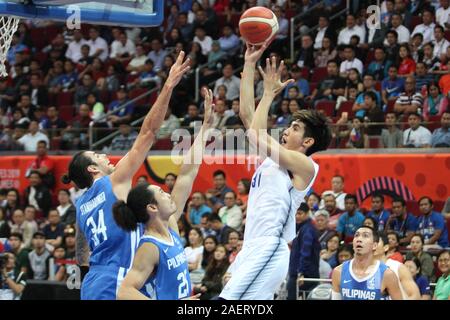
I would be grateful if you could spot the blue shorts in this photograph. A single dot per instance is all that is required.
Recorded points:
(102, 282)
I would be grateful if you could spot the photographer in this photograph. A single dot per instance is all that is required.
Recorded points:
(12, 283)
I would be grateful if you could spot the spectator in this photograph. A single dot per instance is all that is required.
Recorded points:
(85, 59)
(441, 136)
(54, 230)
(36, 259)
(15, 241)
(69, 243)
(66, 209)
(205, 227)
(426, 261)
(138, 60)
(194, 254)
(416, 46)
(209, 246)
(53, 123)
(403, 223)
(56, 268)
(124, 115)
(423, 79)
(330, 87)
(322, 225)
(440, 43)
(305, 57)
(73, 52)
(392, 136)
(406, 65)
(356, 134)
(329, 201)
(197, 209)
(124, 141)
(378, 212)
(397, 26)
(416, 136)
(391, 87)
(324, 31)
(325, 53)
(426, 28)
(185, 27)
(221, 229)
(379, 67)
(13, 282)
(243, 188)
(37, 194)
(444, 82)
(409, 101)
(231, 213)
(304, 257)
(169, 181)
(98, 46)
(205, 21)
(169, 125)
(31, 139)
(435, 103)
(26, 107)
(211, 284)
(86, 88)
(337, 190)
(232, 245)
(350, 30)
(280, 40)
(421, 281)
(345, 253)
(4, 225)
(329, 254)
(44, 165)
(431, 225)
(220, 188)
(427, 57)
(229, 42)
(351, 62)
(18, 224)
(14, 48)
(76, 134)
(350, 220)
(391, 45)
(299, 83)
(122, 49)
(443, 13)
(394, 243)
(442, 290)
(38, 94)
(361, 107)
(30, 218)
(203, 40)
(313, 200)
(147, 77)
(231, 82)
(157, 54)
(12, 202)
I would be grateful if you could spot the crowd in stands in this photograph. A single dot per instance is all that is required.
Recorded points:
(361, 77)
(389, 85)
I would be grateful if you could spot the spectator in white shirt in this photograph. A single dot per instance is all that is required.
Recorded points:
(137, 63)
(337, 190)
(416, 136)
(426, 28)
(31, 139)
(74, 49)
(230, 81)
(204, 40)
(443, 13)
(402, 32)
(350, 30)
(440, 43)
(123, 48)
(350, 62)
(323, 31)
(98, 45)
(231, 213)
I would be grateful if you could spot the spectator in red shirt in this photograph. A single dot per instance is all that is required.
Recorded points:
(406, 64)
(44, 165)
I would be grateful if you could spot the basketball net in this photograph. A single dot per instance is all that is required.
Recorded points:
(8, 26)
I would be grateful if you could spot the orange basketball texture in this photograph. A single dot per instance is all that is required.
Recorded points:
(258, 24)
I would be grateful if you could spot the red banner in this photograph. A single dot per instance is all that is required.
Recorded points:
(408, 175)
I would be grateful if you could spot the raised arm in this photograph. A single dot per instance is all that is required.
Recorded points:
(144, 263)
(247, 92)
(191, 163)
(295, 161)
(127, 167)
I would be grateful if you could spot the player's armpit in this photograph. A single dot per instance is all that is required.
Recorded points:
(144, 263)
(390, 284)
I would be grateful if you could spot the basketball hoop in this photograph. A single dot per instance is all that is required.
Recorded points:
(8, 26)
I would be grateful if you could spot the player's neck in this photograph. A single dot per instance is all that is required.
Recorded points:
(362, 262)
(158, 228)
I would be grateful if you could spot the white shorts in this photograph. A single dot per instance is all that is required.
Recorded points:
(258, 271)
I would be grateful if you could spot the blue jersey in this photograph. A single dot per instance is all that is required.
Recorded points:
(365, 289)
(171, 280)
(381, 218)
(112, 248)
(428, 225)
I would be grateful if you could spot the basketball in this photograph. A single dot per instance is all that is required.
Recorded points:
(258, 24)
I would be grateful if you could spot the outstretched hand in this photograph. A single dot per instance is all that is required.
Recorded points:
(209, 106)
(272, 77)
(177, 71)
(253, 54)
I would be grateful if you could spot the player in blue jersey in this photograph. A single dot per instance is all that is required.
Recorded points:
(111, 248)
(160, 269)
(364, 277)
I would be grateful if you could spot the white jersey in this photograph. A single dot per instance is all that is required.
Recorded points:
(394, 265)
(273, 202)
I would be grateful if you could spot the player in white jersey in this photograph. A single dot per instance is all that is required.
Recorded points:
(278, 186)
(408, 287)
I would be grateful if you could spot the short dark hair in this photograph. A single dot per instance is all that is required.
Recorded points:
(128, 214)
(425, 197)
(438, 26)
(379, 196)
(170, 174)
(332, 61)
(395, 33)
(316, 127)
(78, 172)
(371, 95)
(42, 142)
(219, 173)
(399, 199)
(350, 196)
(17, 235)
(214, 218)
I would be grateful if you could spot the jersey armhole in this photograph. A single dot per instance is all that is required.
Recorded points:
(316, 172)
